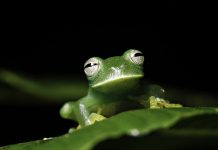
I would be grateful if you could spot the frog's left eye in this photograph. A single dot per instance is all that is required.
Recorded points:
(91, 66)
(136, 57)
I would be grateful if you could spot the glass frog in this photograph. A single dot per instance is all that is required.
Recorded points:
(114, 86)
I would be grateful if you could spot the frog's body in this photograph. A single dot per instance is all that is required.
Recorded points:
(114, 86)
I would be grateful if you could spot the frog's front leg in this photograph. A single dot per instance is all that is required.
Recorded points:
(76, 111)
(155, 102)
(86, 117)
(93, 117)
(154, 97)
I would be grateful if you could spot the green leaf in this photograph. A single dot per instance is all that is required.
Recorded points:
(134, 124)
(46, 89)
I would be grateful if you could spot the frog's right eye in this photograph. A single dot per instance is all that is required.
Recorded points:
(91, 66)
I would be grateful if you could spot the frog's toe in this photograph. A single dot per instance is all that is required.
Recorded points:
(155, 102)
(93, 117)
(96, 117)
(71, 130)
(173, 106)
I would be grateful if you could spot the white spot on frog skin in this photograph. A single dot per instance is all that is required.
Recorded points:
(47, 138)
(134, 132)
(158, 99)
(121, 66)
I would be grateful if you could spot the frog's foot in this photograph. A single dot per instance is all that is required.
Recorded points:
(96, 117)
(93, 117)
(72, 130)
(155, 102)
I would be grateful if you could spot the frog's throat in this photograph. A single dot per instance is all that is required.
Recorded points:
(126, 77)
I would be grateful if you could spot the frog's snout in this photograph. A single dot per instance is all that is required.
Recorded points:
(115, 72)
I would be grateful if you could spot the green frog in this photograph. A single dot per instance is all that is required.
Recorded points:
(114, 86)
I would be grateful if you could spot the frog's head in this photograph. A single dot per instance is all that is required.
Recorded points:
(115, 74)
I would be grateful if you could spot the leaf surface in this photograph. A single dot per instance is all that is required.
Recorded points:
(135, 123)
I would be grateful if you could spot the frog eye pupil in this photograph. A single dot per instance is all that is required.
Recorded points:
(138, 54)
(90, 65)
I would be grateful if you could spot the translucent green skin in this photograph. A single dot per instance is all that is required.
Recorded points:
(115, 88)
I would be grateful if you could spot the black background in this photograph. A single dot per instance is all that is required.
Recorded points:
(179, 50)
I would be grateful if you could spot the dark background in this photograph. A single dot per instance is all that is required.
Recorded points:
(179, 51)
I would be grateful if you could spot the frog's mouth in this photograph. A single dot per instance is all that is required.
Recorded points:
(118, 84)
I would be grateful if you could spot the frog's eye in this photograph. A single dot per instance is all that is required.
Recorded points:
(136, 57)
(91, 66)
